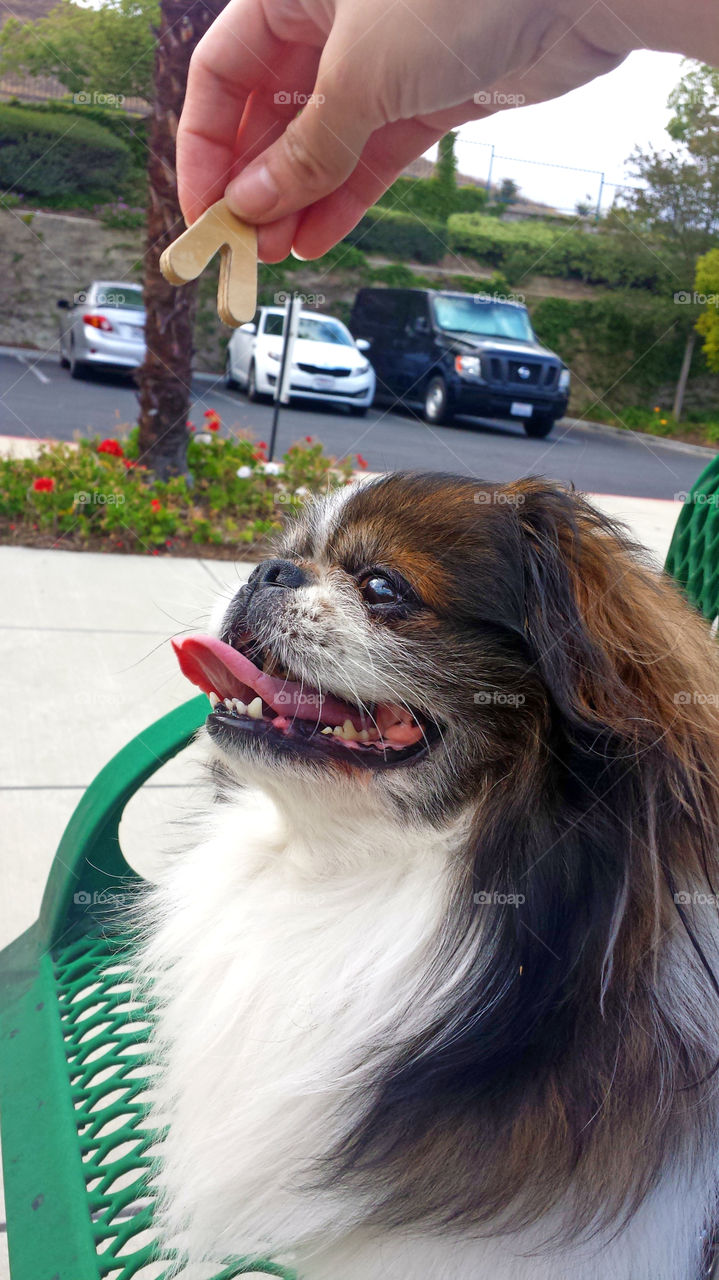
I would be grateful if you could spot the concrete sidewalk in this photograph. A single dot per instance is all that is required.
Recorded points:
(86, 664)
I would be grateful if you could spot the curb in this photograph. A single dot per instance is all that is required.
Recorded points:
(628, 433)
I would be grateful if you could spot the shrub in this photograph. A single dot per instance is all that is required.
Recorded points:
(99, 491)
(428, 198)
(53, 153)
(524, 248)
(400, 235)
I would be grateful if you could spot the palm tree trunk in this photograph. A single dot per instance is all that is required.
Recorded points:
(164, 378)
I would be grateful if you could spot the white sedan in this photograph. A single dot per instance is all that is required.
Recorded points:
(327, 363)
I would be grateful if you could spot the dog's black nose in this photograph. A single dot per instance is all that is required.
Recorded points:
(278, 573)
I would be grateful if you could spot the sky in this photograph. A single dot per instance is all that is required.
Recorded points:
(595, 127)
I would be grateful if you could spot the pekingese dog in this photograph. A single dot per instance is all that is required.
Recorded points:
(436, 993)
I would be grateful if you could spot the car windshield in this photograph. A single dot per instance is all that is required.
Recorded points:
(479, 316)
(124, 297)
(312, 328)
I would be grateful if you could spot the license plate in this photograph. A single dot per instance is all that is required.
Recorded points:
(521, 410)
(323, 383)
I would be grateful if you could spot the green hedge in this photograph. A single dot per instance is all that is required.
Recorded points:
(430, 199)
(45, 153)
(524, 249)
(399, 235)
(600, 337)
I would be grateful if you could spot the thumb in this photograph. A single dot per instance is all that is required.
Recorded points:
(317, 152)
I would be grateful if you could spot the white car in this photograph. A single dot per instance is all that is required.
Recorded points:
(327, 362)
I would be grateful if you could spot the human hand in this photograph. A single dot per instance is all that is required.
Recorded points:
(381, 82)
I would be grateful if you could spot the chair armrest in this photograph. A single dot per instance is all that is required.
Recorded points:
(89, 858)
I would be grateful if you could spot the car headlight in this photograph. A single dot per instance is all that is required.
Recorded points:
(468, 366)
(274, 355)
(364, 367)
(564, 379)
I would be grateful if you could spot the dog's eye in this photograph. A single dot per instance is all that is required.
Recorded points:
(378, 589)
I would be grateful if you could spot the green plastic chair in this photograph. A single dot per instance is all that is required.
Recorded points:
(76, 1137)
(693, 556)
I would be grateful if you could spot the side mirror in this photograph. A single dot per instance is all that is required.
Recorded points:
(250, 327)
(363, 344)
(63, 304)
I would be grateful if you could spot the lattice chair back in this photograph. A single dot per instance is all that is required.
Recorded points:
(693, 557)
(75, 1069)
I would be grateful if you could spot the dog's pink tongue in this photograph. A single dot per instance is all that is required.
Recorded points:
(215, 667)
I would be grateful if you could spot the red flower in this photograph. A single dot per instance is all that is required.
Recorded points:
(156, 505)
(43, 484)
(13, 527)
(308, 439)
(259, 455)
(361, 462)
(112, 447)
(262, 444)
(129, 463)
(213, 424)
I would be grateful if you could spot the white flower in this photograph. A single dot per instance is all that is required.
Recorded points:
(244, 473)
(271, 468)
(302, 492)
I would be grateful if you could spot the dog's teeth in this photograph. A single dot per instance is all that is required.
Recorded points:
(228, 703)
(214, 700)
(338, 731)
(363, 735)
(254, 708)
(328, 729)
(240, 707)
(349, 731)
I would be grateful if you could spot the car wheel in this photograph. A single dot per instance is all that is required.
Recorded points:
(78, 368)
(539, 427)
(436, 402)
(64, 362)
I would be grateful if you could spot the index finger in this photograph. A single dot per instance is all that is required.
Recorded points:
(224, 70)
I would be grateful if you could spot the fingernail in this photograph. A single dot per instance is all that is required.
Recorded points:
(253, 192)
(298, 256)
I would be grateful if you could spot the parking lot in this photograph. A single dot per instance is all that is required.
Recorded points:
(39, 399)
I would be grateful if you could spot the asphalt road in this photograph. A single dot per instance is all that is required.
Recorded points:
(38, 398)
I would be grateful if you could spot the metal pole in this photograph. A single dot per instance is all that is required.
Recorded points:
(598, 212)
(488, 188)
(281, 376)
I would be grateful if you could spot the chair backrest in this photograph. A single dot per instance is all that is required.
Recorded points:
(693, 557)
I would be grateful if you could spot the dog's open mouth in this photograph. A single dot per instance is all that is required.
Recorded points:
(291, 715)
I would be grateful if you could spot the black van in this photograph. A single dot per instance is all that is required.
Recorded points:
(460, 353)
